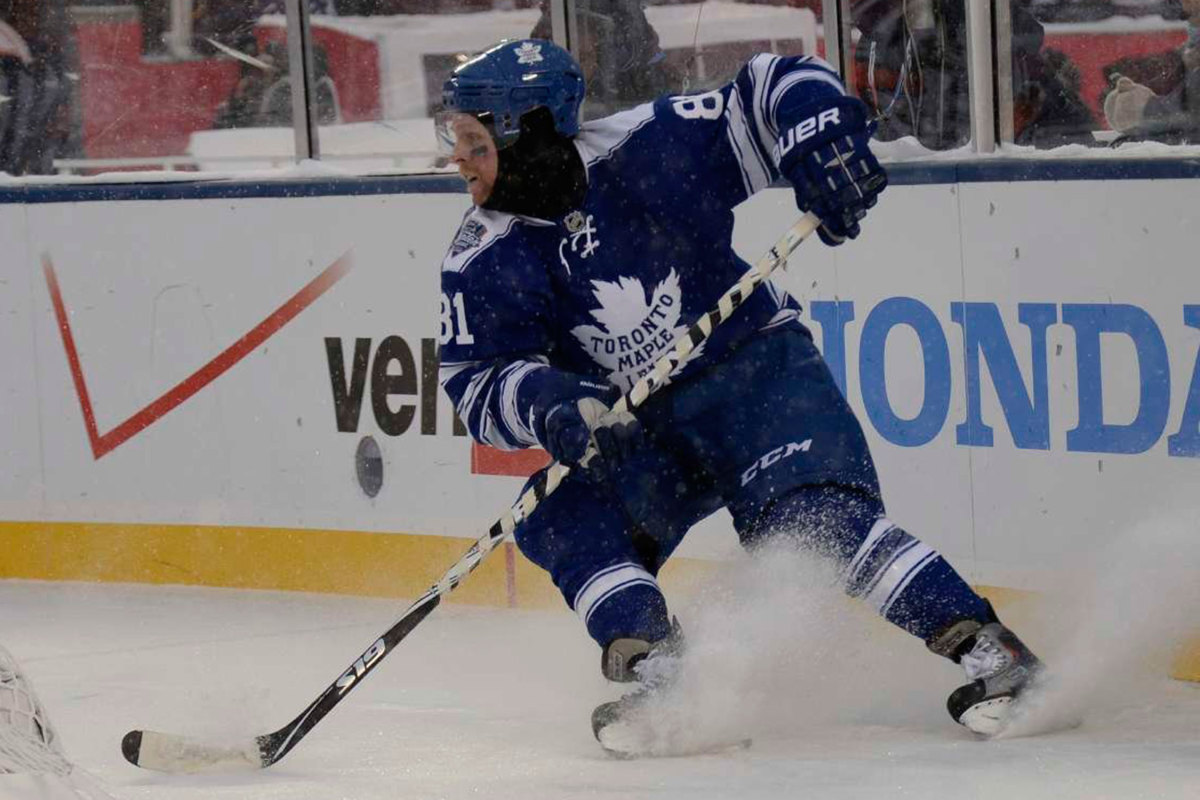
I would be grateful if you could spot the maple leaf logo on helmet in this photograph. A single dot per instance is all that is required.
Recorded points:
(528, 53)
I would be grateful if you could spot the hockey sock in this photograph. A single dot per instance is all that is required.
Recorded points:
(909, 583)
(623, 601)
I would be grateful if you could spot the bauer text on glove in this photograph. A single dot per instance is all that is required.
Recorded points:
(827, 158)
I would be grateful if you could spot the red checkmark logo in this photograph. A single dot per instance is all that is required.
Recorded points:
(104, 443)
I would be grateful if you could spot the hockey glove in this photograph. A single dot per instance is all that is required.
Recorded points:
(573, 412)
(829, 162)
(574, 425)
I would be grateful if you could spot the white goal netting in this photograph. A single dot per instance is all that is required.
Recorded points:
(32, 763)
(28, 742)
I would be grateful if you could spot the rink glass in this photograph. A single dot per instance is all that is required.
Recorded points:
(149, 85)
(204, 85)
(632, 52)
(1057, 82)
(1055, 62)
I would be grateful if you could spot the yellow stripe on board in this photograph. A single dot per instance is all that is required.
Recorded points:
(330, 561)
(303, 560)
(375, 564)
(1187, 663)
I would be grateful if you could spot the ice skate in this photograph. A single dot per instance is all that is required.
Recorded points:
(621, 726)
(1000, 668)
(648, 721)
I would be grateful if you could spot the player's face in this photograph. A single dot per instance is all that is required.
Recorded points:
(475, 156)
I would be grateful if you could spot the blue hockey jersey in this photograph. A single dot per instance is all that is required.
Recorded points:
(606, 290)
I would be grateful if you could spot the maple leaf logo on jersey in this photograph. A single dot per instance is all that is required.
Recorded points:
(635, 328)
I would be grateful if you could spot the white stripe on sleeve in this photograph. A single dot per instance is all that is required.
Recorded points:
(761, 69)
(471, 395)
(754, 171)
(509, 387)
(790, 80)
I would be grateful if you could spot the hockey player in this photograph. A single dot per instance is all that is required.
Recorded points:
(588, 250)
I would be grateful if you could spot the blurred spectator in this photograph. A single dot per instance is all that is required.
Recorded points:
(1048, 109)
(366, 8)
(262, 97)
(228, 22)
(620, 55)
(155, 16)
(1092, 10)
(1074, 10)
(231, 22)
(1158, 97)
(36, 54)
(911, 66)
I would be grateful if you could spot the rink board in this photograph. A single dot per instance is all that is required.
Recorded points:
(190, 370)
(283, 559)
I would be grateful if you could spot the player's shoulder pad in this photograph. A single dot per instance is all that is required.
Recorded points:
(479, 231)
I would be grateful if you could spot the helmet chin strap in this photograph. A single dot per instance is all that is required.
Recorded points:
(540, 175)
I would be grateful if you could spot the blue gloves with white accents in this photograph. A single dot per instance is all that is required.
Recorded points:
(827, 159)
(572, 412)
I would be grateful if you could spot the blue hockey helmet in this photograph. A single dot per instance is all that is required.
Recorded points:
(516, 76)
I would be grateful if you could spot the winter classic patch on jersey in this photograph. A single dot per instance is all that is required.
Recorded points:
(479, 231)
(469, 236)
(635, 328)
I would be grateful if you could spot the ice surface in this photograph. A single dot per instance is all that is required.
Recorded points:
(495, 703)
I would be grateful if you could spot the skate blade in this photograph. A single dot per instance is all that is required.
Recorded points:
(1041, 714)
(989, 718)
(1004, 718)
(626, 743)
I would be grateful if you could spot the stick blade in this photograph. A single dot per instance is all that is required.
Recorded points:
(165, 752)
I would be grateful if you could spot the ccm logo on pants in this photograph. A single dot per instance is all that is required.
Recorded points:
(773, 457)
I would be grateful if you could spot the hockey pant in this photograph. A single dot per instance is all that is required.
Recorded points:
(767, 435)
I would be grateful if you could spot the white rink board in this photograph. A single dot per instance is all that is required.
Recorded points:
(20, 468)
(155, 289)
(1006, 515)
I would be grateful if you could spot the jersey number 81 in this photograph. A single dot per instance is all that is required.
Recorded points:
(454, 320)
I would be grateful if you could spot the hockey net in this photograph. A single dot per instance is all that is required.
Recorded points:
(28, 742)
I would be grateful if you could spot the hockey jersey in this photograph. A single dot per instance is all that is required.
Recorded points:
(606, 290)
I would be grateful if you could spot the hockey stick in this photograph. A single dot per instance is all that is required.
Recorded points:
(171, 753)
